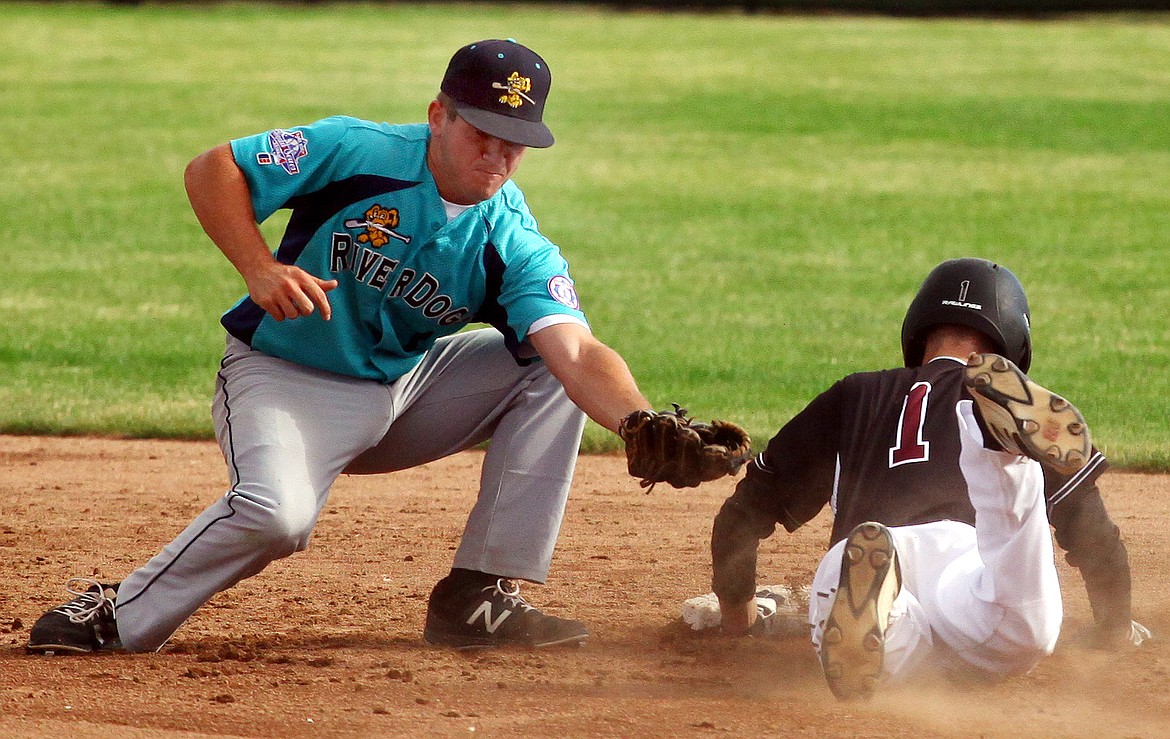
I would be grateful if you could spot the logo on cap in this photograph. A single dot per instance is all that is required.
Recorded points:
(516, 87)
(500, 87)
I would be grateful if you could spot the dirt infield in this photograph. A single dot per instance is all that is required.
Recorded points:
(328, 642)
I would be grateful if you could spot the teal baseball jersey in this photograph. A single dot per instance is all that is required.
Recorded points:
(366, 212)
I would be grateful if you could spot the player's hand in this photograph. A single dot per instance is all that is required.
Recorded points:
(757, 617)
(1115, 636)
(737, 619)
(1138, 633)
(286, 291)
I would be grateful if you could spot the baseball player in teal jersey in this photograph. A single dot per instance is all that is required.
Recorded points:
(346, 356)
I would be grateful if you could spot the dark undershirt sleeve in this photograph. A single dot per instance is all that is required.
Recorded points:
(789, 483)
(1092, 542)
(735, 541)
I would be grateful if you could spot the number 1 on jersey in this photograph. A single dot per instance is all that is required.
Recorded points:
(910, 446)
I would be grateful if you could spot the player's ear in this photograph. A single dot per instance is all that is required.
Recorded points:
(436, 115)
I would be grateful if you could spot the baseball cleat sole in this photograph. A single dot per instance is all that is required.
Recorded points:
(853, 643)
(1026, 418)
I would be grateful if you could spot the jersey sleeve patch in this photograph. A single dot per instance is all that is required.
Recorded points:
(287, 148)
(561, 289)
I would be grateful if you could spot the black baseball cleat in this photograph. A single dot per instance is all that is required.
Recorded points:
(84, 624)
(1026, 418)
(496, 615)
(853, 644)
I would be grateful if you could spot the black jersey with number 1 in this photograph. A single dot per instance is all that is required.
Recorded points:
(884, 446)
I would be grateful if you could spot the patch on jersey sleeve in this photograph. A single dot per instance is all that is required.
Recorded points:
(287, 149)
(562, 290)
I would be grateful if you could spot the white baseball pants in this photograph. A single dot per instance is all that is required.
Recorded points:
(987, 594)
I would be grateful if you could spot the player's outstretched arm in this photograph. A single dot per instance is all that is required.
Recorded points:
(595, 376)
(219, 196)
(660, 447)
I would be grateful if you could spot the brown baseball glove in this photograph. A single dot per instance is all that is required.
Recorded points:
(669, 447)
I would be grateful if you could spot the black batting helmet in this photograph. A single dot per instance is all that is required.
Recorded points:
(976, 293)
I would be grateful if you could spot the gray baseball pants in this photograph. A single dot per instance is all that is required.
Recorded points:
(288, 431)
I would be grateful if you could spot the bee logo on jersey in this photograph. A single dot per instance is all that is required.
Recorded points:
(288, 147)
(379, 224)
(515, 89)
(562, 290)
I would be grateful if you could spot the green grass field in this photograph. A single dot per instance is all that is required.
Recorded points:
(748, 203)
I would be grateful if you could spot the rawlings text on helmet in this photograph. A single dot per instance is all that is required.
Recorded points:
(975, 293)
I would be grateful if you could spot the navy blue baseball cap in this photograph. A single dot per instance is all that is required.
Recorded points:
(499, 86)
